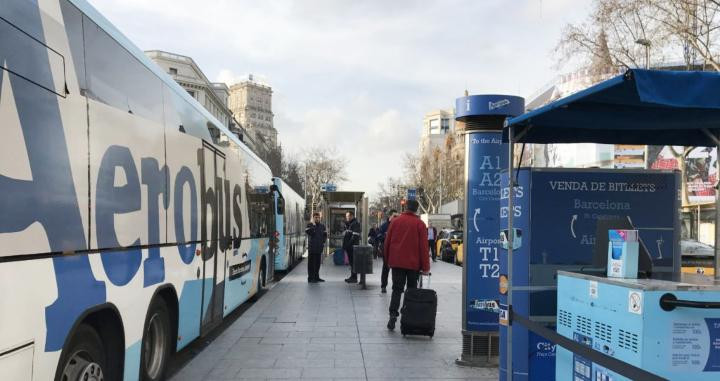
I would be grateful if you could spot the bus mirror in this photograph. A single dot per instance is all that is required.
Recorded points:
(281, 206)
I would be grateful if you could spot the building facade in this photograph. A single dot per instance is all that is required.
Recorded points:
(251, 104)
(184, 70)
(214, 96)
(437, 126)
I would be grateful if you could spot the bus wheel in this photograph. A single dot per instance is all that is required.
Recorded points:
(262, 278)
(155, 342)
(86, 357)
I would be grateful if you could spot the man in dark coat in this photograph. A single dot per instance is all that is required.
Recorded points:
(372, 239)
(350, 239)
(406, 252)
(317, 235)
(382, 231)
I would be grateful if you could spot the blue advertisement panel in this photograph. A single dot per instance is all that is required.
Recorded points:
(570, 204)
(558, 212)
(521, 208)
(482, 242)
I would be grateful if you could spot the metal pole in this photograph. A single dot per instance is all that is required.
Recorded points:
(511, 236)
(441, 186)
(697, 224)
(647, 56)
(716, 259)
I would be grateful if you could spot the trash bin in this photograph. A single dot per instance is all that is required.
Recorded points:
(363, 259)
(362, 262)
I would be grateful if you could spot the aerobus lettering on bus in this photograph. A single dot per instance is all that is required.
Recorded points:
(114, 191)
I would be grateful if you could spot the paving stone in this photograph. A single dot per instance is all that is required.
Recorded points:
(336, 331)
(315, 373)
(294, 373)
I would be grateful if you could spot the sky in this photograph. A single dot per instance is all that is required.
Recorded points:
(359, 75)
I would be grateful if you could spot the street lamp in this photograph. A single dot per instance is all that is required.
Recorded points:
(646, 43)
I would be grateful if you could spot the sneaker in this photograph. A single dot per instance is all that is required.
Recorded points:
(383, 290)
(351, 280)
(319, 280)
(391, 323)
(312, 281)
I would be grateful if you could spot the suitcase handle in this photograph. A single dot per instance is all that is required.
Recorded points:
(429, 276)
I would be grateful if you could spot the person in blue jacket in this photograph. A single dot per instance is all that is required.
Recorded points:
(380, 237)
(317, 235)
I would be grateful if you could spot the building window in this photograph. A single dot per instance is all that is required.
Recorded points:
(434, 126)
(173, 71)
(445, 125)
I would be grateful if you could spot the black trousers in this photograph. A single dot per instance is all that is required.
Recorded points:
(401, 278)
(314, 260)
(433, 251)
(384, 275)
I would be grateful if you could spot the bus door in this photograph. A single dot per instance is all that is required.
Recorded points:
(213, 250)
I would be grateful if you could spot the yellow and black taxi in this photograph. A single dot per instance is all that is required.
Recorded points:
(449, 245)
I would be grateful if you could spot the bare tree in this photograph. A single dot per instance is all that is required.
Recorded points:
(629, 33)
(275, 160)
(322, 166)
(610, 37)
(694, 26)
(292, 173)
(390, 193)
(435, 175)
(680, 154)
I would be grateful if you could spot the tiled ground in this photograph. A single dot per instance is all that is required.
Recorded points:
(336, 331)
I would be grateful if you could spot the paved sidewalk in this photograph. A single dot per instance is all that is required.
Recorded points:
(336, 331)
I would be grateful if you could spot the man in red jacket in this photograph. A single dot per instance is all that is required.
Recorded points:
(406, 252)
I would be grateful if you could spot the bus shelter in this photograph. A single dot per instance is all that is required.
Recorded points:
(333, 206)
(645, 107)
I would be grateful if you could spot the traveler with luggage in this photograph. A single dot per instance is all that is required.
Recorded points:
(381, 241)
(350, 239)
(317, 235)
(406, 253)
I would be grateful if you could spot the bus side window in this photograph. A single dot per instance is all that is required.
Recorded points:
(259, 212)
(181, 116)
(115, 77)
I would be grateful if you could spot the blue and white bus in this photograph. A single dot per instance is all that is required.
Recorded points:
(289, 222)
(131, 220)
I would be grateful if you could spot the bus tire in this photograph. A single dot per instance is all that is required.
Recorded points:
(262, 279)
(156, 342)
(85, 357)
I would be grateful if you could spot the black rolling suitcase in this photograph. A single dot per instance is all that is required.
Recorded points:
(418, 311)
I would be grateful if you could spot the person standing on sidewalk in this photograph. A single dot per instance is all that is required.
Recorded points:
(381, 241)
(432, 236)
(406, 252)
(317, 235)
(350, 239)
(372, 239)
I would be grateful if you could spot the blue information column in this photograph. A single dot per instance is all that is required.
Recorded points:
(483, 116)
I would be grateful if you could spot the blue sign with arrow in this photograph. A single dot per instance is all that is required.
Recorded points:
(481, 260)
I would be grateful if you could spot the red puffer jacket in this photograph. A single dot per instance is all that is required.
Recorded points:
(406, 243)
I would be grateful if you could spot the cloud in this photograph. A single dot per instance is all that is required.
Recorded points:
(358, 75)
